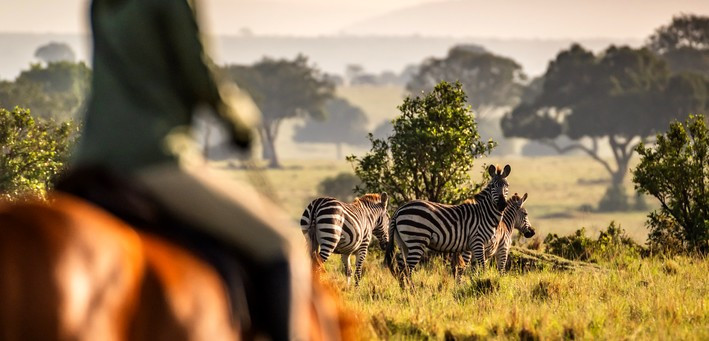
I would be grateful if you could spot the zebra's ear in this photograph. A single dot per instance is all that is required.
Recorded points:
(506, 172)
(385, 199)
(491, 170)
(524, 198)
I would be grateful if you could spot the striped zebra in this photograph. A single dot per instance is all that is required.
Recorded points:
(513, 217)
(420, 225)
(345, 228)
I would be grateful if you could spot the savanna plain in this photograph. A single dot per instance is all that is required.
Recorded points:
(616, 295)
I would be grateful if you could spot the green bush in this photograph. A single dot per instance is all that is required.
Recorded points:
(676, 172)
(340, 186)
(34, 152)
(430, 153)
(612, 245)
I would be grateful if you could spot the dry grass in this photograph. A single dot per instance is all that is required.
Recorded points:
(634, 299)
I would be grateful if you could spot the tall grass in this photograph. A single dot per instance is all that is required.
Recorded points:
(646, 299)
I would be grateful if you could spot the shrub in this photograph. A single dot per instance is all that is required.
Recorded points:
(33, 153)
(430, 153)
(612, 245)
(340, 186)
(676, 172)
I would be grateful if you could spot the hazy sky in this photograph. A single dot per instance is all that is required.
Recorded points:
(482, 18)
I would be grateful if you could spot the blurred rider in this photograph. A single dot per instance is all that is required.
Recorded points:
(150, 73)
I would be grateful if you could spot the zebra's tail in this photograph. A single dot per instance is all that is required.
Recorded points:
(313, 238)
(391, 248)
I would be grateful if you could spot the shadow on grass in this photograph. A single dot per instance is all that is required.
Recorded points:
(478, 287)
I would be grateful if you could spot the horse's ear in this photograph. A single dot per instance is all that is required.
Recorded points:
(491, 170)
(385, 199)
(524, 198)
(506, 172)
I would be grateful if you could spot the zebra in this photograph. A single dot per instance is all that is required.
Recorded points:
(419, 225)
(513, 217)
(345, 228)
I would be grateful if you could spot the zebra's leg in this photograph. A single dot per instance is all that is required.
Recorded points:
(346, 266)
(502, 255)
(460, 262)
(479, 253)
(328, 243)
(414, 251)
(457, 265)
(454, 265)
(361, 255)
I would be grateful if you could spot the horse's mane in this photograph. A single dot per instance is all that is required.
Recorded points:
(371, 197)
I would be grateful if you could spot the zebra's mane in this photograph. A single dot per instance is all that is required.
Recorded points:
(371, 197)
(514, 198)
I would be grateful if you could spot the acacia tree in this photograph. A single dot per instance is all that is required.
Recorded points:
(55, 52)
(345, 124)
(676, 172)
(621, 96)
(684, 43)
(282, 89)
(33, 152)
(489, 80)
(430, 153)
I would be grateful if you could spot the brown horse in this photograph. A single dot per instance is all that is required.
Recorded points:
(71, 271)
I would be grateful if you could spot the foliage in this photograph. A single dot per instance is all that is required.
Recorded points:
(55, 52)
(622, 95)
(686, 30)
(57, 90)
(282, 89)
(34, 152)
(430, 153)
(341, 186)
(612, 245)
(346, 124)
(488, 80)
(676, 172)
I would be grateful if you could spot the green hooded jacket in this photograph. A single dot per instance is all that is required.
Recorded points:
(149, 74)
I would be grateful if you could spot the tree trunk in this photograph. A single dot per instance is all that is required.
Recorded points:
(338, 150)
(269, 131)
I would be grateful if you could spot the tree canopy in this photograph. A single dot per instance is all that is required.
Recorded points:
(56, 90)
(55, 52)
(488, 80)
(686, 30)
(345, 124)
(623, 95)
(430, 153)
(32, 154)
(684, 44)
(282, 89)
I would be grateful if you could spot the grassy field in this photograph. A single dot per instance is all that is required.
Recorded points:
(653, 298)
(561, 191)
(640, 300)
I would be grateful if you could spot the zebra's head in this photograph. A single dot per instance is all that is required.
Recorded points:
(381, 224)
(520, 219)
(498, 185)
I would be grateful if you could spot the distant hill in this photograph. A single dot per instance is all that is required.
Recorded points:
(524, 19)
(330, 53)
